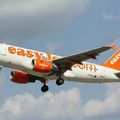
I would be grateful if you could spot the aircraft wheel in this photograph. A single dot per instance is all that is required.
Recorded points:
(44, 88)
(59, 81)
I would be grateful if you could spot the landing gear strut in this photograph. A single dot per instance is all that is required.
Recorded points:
(59, 81)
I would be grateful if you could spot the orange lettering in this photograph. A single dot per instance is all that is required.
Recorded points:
(20, 52)
(12, 50)
(49, 56)
(86, 66)
(91, 67)
(75, 65)
(95, 68)
(55, 57)
(37, 55)
(81, 66)
(29, 54)
(44, 56)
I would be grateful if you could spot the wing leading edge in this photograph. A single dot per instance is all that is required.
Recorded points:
(65, 63)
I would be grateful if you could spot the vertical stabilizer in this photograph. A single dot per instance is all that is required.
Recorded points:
(114, 61)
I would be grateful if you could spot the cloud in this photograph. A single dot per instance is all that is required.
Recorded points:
(108, 108)
(28, 18)
(63, 105)
(110, 16)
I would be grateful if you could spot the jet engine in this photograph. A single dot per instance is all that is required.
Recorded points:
(20, 77)
(39, 65)
(42, 66)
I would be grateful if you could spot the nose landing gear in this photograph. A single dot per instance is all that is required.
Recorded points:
(44, 88)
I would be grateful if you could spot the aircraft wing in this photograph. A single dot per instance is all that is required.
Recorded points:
(65, 63)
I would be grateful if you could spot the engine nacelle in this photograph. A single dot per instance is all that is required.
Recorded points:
(39, 65)
(42, 66)
(20, 77)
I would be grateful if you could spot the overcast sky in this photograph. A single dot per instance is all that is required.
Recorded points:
(62, 27)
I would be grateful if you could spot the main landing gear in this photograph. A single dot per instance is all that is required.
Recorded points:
(45, 87)
(59, 81)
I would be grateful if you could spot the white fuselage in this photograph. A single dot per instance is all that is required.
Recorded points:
(17, 57)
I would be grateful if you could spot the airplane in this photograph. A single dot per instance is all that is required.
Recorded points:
(30, 65)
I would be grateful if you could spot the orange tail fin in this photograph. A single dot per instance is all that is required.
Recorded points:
(114, 61)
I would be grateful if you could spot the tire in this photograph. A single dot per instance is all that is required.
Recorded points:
(44, 88)
(59, 81)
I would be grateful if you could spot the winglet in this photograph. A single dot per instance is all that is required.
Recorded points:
(113, 46)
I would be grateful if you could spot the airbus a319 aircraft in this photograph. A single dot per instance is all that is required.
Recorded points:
(30, 65)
